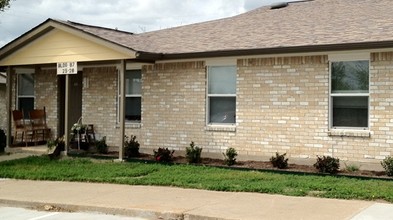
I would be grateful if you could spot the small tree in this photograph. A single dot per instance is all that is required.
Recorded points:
(327, 164)
(193, 153)
(279, 161)
(4, 4)
(101, 146)
(387, 164)
(230, 156)
(131, 146)
(163, 155)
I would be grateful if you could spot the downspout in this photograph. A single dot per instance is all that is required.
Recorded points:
(9, 106)
(122, 108)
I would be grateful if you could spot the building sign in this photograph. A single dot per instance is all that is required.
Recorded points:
(67, 68)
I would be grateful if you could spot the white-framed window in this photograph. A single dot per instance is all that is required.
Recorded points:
(25, 92)
(221, 94)
(133, 95)
(349, 94)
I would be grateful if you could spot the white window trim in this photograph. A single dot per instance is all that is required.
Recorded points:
(18, 72)
(352, 130)
(218, 126)
(130, 124)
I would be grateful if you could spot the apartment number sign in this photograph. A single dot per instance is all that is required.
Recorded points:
(65, 68)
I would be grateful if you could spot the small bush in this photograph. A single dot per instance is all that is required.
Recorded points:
(352, 167)
(3, 141)
(279, 161)
(58, 144)
(327, 164)
(193, 153)
(101, 146)
(131, 146)
(163, 155)
(387, 164)
(230, 156)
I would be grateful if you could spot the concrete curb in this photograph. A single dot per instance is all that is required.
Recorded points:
(132, 212)
(157, 202)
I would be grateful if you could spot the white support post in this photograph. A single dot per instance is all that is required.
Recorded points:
(66, 112)
(9, 106)
(122, 108)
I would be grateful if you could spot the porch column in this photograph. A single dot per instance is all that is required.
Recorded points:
(122, 108)
(66, 112)
(9, 105)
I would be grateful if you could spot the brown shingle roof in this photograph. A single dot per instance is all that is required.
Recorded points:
(307, 23)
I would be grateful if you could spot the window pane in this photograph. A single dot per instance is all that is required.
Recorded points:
(222, 110)
(133, 82)
(222, 80)
(350, 77)
(350, 112)
(26, 84)
(133, 108)
(26, 104)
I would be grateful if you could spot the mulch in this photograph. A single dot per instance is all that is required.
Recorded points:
(261, 165)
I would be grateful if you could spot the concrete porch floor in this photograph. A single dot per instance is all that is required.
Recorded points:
(38, 149)
(12, 153)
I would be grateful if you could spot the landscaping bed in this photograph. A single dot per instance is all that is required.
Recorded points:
(250, 165)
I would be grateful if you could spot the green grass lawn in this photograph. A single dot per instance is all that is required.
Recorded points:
(197, 177)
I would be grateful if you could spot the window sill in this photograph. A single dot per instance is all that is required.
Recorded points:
(226, 128)
(349, 133)
(132, 125)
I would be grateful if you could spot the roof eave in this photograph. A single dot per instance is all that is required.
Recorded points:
(25, 39)
(280, 50)
(51, 24)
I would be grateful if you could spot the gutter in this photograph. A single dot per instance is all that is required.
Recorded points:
(266, 51)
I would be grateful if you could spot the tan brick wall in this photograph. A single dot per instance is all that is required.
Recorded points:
(46, 94)
(174, 109)
(172, 104)
(381, 111)
(282, 105)
(99, 102)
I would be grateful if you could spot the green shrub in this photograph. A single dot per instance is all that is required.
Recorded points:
(193, 153)
(352, 167)
(279, 161)
(327, 164)
(58, 144)
(163, 155)
(230, 156)
(101, 146)
(3, 141)
(387, 164)
(131, 146)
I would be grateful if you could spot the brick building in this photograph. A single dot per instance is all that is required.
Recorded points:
(307, 78)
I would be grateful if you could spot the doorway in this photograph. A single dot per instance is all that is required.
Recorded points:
(74, 102)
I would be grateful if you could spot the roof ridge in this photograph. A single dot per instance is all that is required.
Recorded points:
(99, 27)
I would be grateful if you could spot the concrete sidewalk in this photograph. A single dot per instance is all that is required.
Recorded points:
(152, 202)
